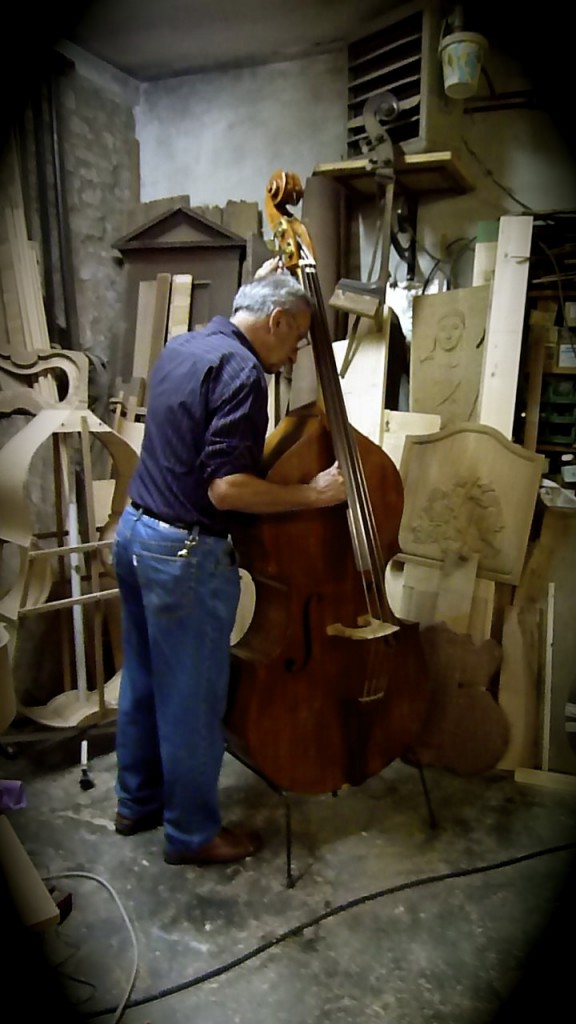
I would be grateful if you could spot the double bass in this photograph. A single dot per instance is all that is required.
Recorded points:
(327, 685)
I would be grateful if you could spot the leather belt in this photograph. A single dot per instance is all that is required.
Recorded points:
(210, 531)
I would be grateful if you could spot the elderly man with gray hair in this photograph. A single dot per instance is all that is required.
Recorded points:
(200, 465)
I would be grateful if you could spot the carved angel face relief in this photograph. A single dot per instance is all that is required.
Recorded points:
(450, 330)
(465, 519)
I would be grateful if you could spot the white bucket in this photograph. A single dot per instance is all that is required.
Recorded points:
(462, 54)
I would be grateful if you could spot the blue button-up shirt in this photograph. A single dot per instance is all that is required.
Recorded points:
(207, 417)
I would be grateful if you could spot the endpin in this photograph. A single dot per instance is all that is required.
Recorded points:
(85, 780)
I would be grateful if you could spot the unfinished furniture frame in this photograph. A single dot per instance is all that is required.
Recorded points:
(70, 431)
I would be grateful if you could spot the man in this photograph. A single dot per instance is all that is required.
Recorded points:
(177, 573)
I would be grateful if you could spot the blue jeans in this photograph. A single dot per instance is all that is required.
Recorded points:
(177, 616)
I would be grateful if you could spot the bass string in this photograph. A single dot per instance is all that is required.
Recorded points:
(363, 530)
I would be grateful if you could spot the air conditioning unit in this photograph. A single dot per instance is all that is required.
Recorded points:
(399, 55)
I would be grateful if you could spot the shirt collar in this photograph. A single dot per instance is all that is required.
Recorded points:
(223, 325)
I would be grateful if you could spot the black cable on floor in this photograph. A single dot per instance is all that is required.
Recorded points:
(340, 908)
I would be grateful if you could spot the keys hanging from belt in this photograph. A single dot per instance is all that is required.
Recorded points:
(188, 543)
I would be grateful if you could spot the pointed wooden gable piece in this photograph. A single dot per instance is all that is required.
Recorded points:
(178, 241)
(181, 227)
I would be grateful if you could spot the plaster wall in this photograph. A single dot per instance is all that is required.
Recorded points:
(220, 136)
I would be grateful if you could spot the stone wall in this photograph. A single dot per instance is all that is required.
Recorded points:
(92, 122)
(102, 183)
(99, 151)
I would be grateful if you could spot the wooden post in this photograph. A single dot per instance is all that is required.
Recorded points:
(504, 331)
(93, 559)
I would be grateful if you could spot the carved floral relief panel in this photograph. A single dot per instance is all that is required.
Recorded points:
(469, 491)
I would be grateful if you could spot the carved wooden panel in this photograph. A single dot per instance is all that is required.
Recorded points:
(469, 491)
(446, 353)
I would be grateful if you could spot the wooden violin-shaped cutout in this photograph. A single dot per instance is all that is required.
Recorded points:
(328, 686)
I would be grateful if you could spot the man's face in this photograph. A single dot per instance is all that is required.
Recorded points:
(286, 331)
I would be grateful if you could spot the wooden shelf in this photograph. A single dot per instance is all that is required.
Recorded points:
(551, 293)
(418, 173)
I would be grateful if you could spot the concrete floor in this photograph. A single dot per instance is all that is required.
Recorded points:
(466, 924)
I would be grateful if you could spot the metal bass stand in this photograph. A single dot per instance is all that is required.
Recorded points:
(285, 796)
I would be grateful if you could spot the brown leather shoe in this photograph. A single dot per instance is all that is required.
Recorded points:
(225, 848)
(131, 826)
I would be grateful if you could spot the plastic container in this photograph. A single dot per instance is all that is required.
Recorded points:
(462, 54)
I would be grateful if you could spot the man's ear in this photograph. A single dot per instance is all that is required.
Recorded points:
(275, 318)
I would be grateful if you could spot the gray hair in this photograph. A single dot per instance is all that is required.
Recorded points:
(277, 290)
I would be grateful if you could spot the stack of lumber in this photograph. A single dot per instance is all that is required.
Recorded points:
(22, 314)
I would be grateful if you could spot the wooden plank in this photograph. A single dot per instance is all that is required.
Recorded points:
(31, 898)
(241, 217)
(143, 332)
(562, 705)
(455, 591)
(213, 213)
(68, 549)
(97, 621)
(538, 667)
(418, 602)
(179, 311)
(364, 382)
(281, 388)
(257, 252)
(499, 380)
(10, 183)
(537, 339)
(60, 503)
(362, 304)
(32, 259)
(14, 325)
(132, 432)
(4, 335)
(547, 694)
(27, 281)
(160, 317)
(131, 406)
(7, 695)
(68, 602)
(73, 529)
(398, 425)
(484, 263)
(19, 272)
(482, 610)
(551, 780)
(419, 592)
(518, 685)
(297, 386)
(29, 294)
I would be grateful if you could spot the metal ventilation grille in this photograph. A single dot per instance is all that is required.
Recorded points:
(389, 60)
